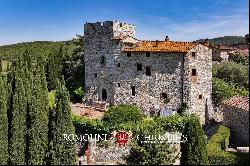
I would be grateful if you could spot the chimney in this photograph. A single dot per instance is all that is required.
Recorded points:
(166, 38)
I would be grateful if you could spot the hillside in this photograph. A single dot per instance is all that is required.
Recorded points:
(38, 47)
(226, 40)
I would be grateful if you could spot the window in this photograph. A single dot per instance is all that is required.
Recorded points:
(193, 54)
(119, 84)
(103, 60)
(120, 24)
(164, 96)
(118, 65)
(128, 54)
(147, 54)
(139, 67)
(194, 72)
(148, 71)
(133, 90)
(95, 75)
(200, 96)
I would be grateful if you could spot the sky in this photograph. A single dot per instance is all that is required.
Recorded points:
(182, 20)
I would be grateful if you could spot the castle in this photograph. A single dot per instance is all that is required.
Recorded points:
(154, 75)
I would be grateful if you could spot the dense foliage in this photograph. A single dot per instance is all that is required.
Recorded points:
(4, 155)
(216, 146)
(122, 114)
(232, 73)
(194, 149)
(62, 152)
(223, 90)
(226, 40)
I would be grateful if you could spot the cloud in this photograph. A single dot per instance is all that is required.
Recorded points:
(209, 27)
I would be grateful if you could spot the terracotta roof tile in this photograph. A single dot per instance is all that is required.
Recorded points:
(161, 46)
(238, 101)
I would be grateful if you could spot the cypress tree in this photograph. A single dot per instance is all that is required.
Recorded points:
(38, 118)
(194, 150)
(54, 68)
(3, 123)
(18, 125)
(63, 153)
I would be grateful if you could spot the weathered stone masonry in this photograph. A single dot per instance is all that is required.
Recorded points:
(154, 75)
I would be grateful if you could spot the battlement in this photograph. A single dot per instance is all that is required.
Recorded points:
(113, 28)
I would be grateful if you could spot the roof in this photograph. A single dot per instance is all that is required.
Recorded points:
(161, 46)
(238, 102)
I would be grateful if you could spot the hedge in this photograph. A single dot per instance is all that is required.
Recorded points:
(216, 146)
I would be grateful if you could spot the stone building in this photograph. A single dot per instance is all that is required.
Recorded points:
(236, 117)
(154, 75)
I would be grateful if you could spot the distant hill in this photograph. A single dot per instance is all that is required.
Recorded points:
(38, 47)
(226, 40)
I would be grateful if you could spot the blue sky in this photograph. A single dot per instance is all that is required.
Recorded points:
(187, 20)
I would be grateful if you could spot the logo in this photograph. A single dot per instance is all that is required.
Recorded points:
(121, 138)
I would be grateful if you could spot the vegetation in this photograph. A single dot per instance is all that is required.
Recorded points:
(150, 154)
(223, 90)
(216, 146)
(62, 152)
(233, 73)
(4, 122)
(119, 115)
(229, 79)
(226, 40)
(194, 150)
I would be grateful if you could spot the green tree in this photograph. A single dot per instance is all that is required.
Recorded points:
(150, 154)
(194, 149)
(122, 114)
(38, 118)
(4, 122)
(18, 125)
(63, 152)
(54, 68)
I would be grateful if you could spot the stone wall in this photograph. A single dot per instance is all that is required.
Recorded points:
(238, 122)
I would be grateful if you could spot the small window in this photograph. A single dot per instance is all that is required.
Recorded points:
(118, 65)
(193, 54)
(120, 24)
(119, 84)
(147, 54)
(139, 67)
(133, 90)
(128, 54)
(164, 96)
(194, 72)
(103, 60)
(200, 96)
(148, 71)
(95, 75)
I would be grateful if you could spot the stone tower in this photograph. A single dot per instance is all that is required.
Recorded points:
(157, 76)
(100, 52)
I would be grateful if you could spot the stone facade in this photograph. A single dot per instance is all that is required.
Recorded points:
(236, 117)
(153, 80)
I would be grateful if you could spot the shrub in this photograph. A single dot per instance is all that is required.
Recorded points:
(216, 146)
(122, 116)
(232, 73)
(194, 150)
(78, 93)
(88, 126)
(150, 154)
(222, 90)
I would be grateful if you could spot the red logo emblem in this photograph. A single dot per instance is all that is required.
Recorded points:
(121, 138)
